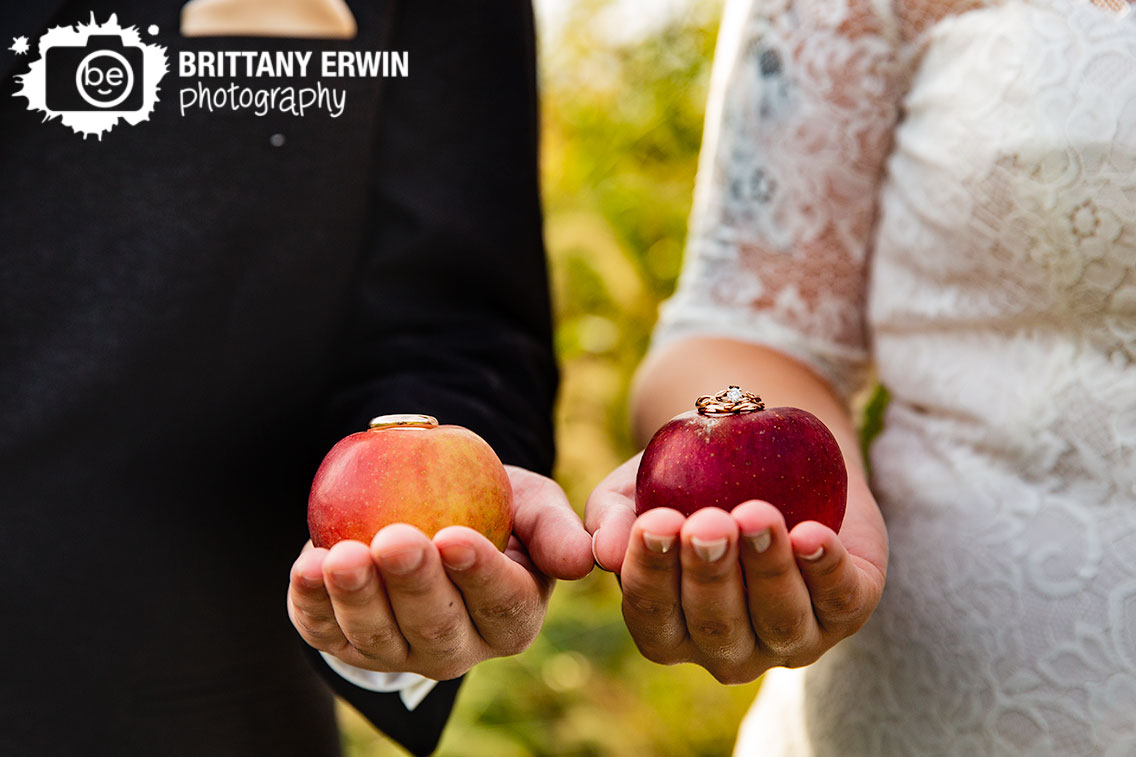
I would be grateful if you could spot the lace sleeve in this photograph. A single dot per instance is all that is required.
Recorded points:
(804, 98)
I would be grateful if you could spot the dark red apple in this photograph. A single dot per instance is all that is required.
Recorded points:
(731, 449)
(408, 469)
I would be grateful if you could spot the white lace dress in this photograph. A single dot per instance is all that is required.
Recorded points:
(947, 190)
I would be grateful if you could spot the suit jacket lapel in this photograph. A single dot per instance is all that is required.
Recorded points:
(25, 19)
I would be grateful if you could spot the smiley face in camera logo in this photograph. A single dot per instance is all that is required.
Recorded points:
(91, 76)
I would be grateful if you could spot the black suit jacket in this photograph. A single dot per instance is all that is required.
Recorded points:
(190, 315)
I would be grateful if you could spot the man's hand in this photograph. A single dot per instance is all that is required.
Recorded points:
(735, 592)
(437, 608)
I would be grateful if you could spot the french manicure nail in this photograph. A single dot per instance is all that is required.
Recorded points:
(761, 540)
(350, 580)
(709, 550)
(458, 557)
(815, 555)
(658, 544)
(402, 562)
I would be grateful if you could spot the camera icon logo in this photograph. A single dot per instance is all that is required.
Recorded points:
(103, 75)
(91, 76)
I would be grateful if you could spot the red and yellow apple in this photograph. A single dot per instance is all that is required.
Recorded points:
(731, 449)
(409, 469)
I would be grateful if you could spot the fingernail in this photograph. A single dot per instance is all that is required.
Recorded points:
(305, 579)
(402, 562)
(709, 550)
(595, 557)
(309, 582)
(814, 556)
(350, 580)
(761, 540)
(658, 544)
(458, 557)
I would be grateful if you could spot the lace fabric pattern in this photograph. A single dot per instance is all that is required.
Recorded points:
(947, 191)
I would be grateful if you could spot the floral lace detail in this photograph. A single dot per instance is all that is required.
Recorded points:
(947, 190)
(790, 166)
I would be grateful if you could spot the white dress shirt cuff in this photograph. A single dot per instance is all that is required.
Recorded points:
(411, 687)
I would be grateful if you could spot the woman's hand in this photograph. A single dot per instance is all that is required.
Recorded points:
(438, 607)
(735, 592)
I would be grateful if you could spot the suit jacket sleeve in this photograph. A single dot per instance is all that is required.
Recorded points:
(452, 317)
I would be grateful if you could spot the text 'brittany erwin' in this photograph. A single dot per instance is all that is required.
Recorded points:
(291, 63)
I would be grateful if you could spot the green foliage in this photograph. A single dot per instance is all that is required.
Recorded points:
(622, 127)
(872, 421)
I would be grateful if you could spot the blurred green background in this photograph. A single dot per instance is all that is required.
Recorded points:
(623, 89)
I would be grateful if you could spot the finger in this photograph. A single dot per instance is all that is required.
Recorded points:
(713, 597)
(505, 601)
(780, 608)
(516, 552)
(548, 526)
(427, 607)
(610, 513)
(650, 581)
(360, 604)
(309, 605)
(840, 594)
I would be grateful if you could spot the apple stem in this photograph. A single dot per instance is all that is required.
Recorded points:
(729, 401)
